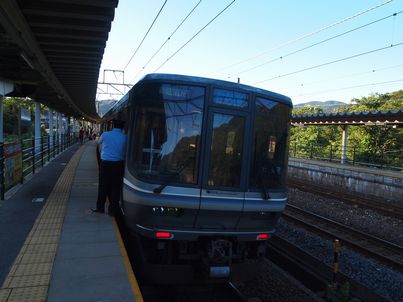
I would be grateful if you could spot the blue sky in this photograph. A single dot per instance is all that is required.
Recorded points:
(248, 39)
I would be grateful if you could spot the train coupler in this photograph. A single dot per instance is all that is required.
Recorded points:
(219, 258)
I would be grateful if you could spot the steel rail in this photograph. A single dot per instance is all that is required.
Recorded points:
(237, 295)
(349, 198)
(386, 252)
(312, 272)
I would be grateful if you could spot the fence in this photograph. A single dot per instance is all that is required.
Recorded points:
(355, 155)
(25, 156)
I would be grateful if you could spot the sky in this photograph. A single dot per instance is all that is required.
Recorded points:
(311, 50)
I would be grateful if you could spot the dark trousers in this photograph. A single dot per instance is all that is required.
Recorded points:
(110, 185)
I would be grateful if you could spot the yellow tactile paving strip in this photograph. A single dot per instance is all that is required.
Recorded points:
(132, 278)
(29, 277)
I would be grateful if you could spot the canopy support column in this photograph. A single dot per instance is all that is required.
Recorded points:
(344, 145)
(37, 127)
(1, 120)
(51, 129)
(59, 128)
(5, 88)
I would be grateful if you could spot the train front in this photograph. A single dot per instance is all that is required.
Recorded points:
(205, 179)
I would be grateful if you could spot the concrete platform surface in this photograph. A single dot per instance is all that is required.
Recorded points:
(71, 254)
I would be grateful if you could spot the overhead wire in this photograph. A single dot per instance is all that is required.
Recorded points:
(186, 43)
(351, 87)
(315, 44)
(329, 63)
(393, 29)
(305, 36)
(353, 74)
(166, 41)
(152, 24)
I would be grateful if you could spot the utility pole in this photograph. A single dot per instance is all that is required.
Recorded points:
(116, 86)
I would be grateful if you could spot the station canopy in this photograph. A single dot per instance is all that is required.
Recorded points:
(387, 117)
(51, 50)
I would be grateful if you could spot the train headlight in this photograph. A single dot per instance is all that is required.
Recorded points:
(168, 211)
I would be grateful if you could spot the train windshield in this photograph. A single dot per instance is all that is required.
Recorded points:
(245, 144)
(269, 149)
(167, 132)
(226, 151)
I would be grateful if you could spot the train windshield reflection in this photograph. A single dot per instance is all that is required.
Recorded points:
(239, 138)
(168, 128)
(269, 161)
(226, 150)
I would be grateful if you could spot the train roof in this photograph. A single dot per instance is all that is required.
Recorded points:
(202, 81)
(209, 81)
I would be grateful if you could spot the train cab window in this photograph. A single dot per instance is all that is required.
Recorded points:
(230, 98)
(226, 151)
(168, 125)
(269, 149)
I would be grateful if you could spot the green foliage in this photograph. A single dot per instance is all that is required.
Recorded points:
(11, 116)
(378, 102)
(306, 137)
(340, 294)
(378, 144)
(307, 110)
(376, 141)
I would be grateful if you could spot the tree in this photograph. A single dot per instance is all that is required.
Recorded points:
(378, 102)
(307, 110)
(371, 142)
(11, 113)
(376, 141)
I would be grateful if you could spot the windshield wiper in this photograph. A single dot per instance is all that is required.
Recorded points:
(159, 189)
(265, 191)
(186, 162)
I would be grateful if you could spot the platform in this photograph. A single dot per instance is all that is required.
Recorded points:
(58, 250)
(375, 183)
(70, 254)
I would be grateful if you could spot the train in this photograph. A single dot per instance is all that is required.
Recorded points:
(205, 175)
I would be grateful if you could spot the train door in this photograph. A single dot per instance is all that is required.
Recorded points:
(222, 194)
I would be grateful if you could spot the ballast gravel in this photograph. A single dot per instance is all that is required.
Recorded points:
(381, 279)
(366, 220)
(272, 284)
(370, 273)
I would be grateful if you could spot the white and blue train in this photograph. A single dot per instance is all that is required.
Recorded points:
(205, 175)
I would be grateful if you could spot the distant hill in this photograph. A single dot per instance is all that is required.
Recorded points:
(327, 106)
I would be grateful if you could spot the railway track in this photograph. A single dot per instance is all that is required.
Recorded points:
(219, 292)
(313, 273)
(386, 252)
(349, 198)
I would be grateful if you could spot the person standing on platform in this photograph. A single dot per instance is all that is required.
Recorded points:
(81, 135)
(112, 149)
